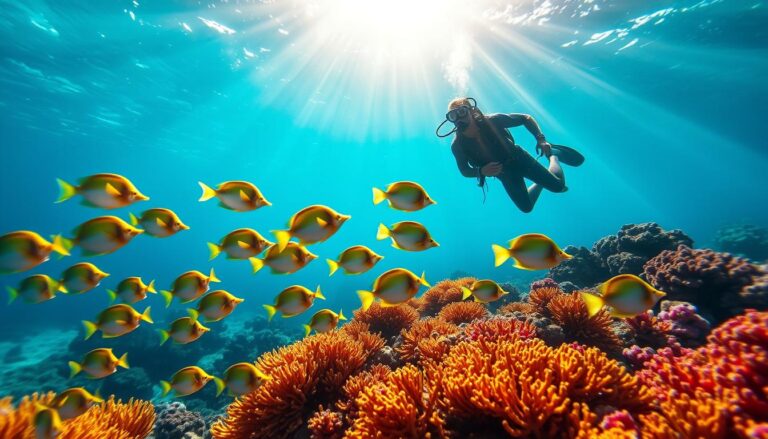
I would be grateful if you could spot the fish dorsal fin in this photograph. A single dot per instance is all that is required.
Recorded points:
(244, 196)
(111, 190)
(321, 222)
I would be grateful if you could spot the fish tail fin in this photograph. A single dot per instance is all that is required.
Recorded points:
(145, 315)
(307, 330)
(256, 264)
(13, 293)
(423, 280)
(319, 294)
(90, 328)
(500, 254)
(61, 245)
(66, 190)
(282, 236)
(212, 276)
(166, 386)
(60, 287)
(383, 232)
(271, 311)
(467, 292)
(123, 361)
(341, 315)
(333, 266)
(151, 287)
(594, 303)
(220, 385)
(193, 314)
(134, 219)
(74, 369)
(366, 298)
(378, 195)
(164, 336)
(208, 193)
(112, 296)
(168, 297)
(214, 250)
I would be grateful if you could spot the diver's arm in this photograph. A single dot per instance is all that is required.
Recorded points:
(517, 119)
(463, 163)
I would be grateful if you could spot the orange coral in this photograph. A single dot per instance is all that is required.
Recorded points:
(570, 312)
(304, 374)
(426, 339)
(325, 424)
(499, 328)
(356, 384)
(522, 307)
(540, 298)
(443, 293)
(387, 320)
(687, 415)
(462, 312)
(360, 332)
(132, 420)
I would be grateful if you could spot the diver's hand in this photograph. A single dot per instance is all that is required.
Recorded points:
(545, 148)
(491, 169)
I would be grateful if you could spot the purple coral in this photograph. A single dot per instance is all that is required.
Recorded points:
(688, 327)
(636, 356)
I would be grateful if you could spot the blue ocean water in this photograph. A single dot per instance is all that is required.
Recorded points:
(318, 102)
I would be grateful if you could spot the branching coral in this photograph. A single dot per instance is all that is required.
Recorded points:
(426, 339)
(540, 298)
(570, 313)
(499, 328)
(356, 384)
(326, 424)
(131, 420)
(443, 293)
(387, 321)
(360, 332)
(649, 331)
(523, 307)
(303, 375)
(462, 312)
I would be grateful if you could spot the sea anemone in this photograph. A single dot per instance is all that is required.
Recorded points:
(570, 313)
(356, 384)
(360, 331)
(426, 339)
(387, 320)
(540, 298)
(443, 293)
(650, 331)
(462, 312)
(523, 307)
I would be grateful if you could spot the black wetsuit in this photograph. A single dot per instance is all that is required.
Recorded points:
(517, 164)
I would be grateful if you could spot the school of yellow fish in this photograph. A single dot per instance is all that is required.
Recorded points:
(626, 295)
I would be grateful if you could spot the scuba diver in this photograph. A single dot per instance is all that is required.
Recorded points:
(484, 148)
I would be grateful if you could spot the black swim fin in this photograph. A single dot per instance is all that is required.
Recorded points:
(567, 155)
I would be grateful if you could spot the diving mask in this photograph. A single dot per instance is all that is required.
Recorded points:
(455, 115)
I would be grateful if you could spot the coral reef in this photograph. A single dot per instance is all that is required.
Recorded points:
(689, 328)
(443, 293)
(570, 312)
(743, 240)
(175, 421)
(499, 328)
(387, 321)
(523, 307)
(721, 285)
(426, 339)
(540, 298)
(462, 312)
(325, 424)
(584, 269)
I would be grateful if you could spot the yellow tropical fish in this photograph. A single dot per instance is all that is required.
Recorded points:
(403, 195)
(184, 330)
(189, 380)
(532, 251)
(131, 290)
(355, 260)
(73, 402)
(393, 287)
(293, 258)
(108, 191)
(626, 294)
(484, 291)
(116, 320)
(98, 363)
(34, 289)
(189, 286)
(407, 235)
(240, 196)
(323, 321)
(243, 378)
(293, 301)
(216, 305)
(159, 223)
(47, 422)
(311, 225)
(80, 278)
(102, 235)
(24, 250)
(239, 244)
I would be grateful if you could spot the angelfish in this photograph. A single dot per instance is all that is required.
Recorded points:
(293, 300)
(355, 260)
(131, 290)
(216, 305)
(189, 286)
(34, 289)
(47, 422)
(240, 196)
(189, 380)
(158, 222)
(98, 363)
(242, 378)
(532, 251)
(484, 291)
(311, 225)
(184, 330)
(75, 401)
(239, 244)
(81, 278)
(626, 294)
(103, 235)
(393, 287)
(291, 259)
(407, 235)
(403, 195)
(108, 191)
(116, 320)
(24, 250)
(323, 321)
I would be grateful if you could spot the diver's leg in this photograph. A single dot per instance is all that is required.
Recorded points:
(552, 179)
(515, 187)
